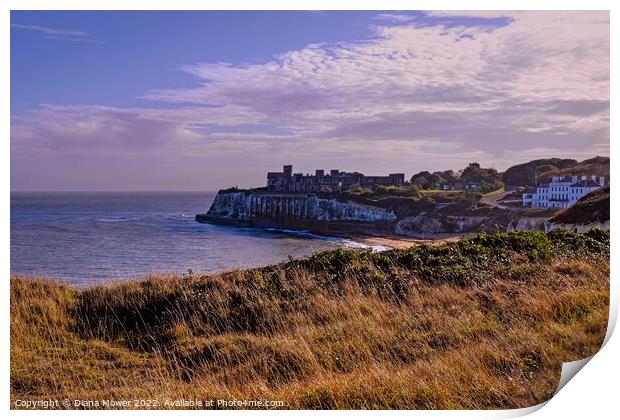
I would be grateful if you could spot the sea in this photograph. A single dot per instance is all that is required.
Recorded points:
(86, 238)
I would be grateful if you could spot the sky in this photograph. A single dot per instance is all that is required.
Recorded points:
(202, 100)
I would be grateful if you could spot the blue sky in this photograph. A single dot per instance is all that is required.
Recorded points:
(128, 53)
(177, 100)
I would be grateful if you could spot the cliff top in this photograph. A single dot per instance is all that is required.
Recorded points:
(591, 208)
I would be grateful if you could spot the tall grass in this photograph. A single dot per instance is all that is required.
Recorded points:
(482, 323)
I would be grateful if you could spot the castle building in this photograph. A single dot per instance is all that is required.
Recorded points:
(335, 180)
(561, 192)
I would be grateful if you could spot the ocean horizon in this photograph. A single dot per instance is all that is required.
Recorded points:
(91, 237)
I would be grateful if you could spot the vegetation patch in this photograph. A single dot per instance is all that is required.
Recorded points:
(591, 208)
(541, 170)
(481, 323)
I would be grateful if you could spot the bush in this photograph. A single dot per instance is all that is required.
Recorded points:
(434, 326)
(567, 241)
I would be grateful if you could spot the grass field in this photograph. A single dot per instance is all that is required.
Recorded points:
(481, 323)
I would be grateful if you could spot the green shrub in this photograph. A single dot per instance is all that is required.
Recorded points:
(567, 241)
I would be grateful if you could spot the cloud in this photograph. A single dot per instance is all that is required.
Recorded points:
(427, 94)
(82, 130)
(394, 17)
(63, 34)
(579, 108)
(478, 13)
(454, 75)
(50, 31)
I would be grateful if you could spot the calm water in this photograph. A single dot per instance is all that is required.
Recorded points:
(91, 237)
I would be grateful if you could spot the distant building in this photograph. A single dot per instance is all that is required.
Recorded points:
(287, 181)
(457, 186)
(440, 205)
(561, 192)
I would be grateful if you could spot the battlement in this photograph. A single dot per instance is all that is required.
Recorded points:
(335, 180)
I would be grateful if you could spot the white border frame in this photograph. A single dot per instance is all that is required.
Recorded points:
(593, 393)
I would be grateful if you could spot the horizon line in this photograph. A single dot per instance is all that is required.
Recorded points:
(113, 191)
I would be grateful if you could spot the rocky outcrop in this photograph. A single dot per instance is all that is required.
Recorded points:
(233, 205)
(420, 224)
(576, 227)
(331, 210)
(425, 223)
(469, 223)
(260, 208)
(528, 223)
(307, 211)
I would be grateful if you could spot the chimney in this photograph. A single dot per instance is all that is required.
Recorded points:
(584, 178)
(288, 171)
(593, 177)
(574, 178)
(601, 181)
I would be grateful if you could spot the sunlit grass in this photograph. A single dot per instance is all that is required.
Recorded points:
(482, 323)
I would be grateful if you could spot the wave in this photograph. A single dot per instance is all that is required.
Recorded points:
(114, 220)
(347, 243)
(303, 233)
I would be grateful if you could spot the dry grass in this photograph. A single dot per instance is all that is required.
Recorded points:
(482, 323)
(591, 208)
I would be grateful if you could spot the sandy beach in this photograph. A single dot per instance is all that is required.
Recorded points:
(402, 242)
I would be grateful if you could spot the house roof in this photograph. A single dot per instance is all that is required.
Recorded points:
(586, 183)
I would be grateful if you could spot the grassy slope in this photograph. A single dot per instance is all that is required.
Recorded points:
(591, 208)
(481, 323)
(523, 174)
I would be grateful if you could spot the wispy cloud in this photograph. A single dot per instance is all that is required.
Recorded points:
(471, 87)
(63, 34)
(394, 17)
(50, 31)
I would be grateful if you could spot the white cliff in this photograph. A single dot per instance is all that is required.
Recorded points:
(244, 205)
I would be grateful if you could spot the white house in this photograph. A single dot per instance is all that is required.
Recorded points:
(453, 186)
(561, 192)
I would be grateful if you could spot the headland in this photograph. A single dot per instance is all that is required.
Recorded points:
(429, 207)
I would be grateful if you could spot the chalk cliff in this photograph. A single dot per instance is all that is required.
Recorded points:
(261, 208)
(295, 210)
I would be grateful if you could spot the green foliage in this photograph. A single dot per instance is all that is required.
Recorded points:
(541, 170)
(595, 242)
(468, 200)
(592, 208)
(253, 301)
(401, 199)
(475, 173)
(600, 235)
(488, 178)
(347, 328)
(426, 180)
(469, 261)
